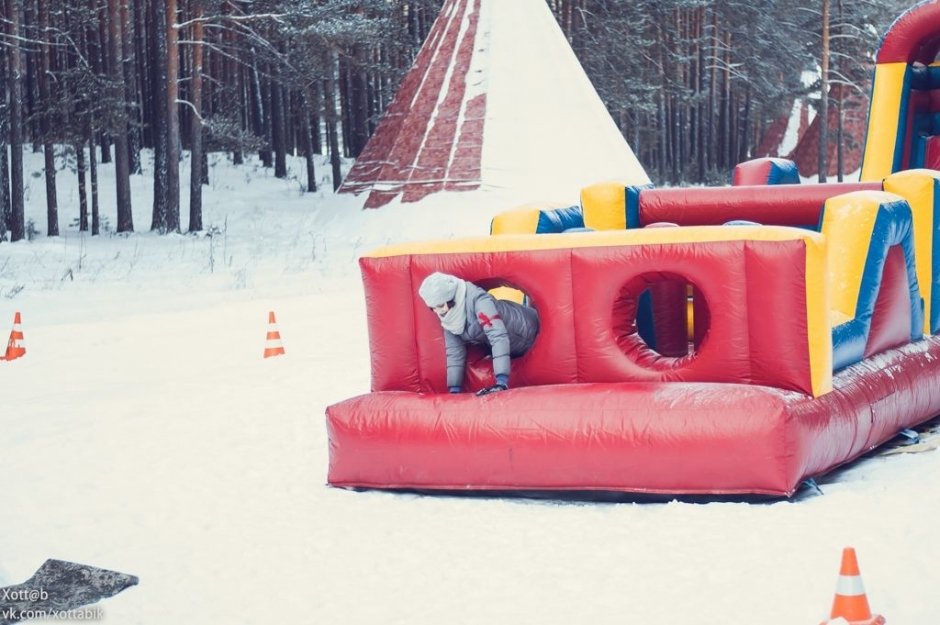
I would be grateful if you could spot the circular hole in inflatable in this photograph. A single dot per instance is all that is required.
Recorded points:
(660, 316)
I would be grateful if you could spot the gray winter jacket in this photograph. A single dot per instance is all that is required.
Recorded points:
(507, 327)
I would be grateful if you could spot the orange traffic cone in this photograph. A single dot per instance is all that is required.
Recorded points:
(850, 602)
(272, 346)
(15, 347)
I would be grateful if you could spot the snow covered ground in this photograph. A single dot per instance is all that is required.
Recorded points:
(143, 432)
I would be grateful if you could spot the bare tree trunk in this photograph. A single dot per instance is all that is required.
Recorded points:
(101, 33)
(308, 140)
(315, 108)
(31, 86)
(701, 150)
(745, 124)
(133, 91)
(710, 140)
(82, 191)
(291, 121)
(76, 116)
(158, 92)
(185, 94)
(278, 123)
(48, 148)
(93, 45)
(173, 119)
(143, 68)
(375, 91)
(93, 173)
(4, 191)
(266, 155)
(345, 118)
(662, 161)
(824, 95)
(196, 164)
(360, 99)
(331, 121)
(840, 137)
(4, 133)
(243, 90)
(257, 108)
(4, 176)
(122, 172)
(17, 224)
(679, 117)
(728, 108)
(840, 120)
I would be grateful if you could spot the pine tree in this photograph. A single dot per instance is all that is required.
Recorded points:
(196, 164)
(17, 221)
(45, 123)
(172, 116)
(125, 218)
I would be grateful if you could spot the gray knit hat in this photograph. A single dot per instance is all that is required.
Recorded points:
(438, 288)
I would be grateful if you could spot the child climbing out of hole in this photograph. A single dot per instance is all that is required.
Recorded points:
(469, 314)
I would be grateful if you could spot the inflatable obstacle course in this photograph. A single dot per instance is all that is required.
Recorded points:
(699, 340)
(806, 351)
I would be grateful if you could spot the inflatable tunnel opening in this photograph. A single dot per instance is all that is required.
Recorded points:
(904, 114)
(479, 370)
(660, 318)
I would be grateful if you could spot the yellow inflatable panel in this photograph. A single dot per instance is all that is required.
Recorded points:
(604, 206)
(884, 121)
(523, 220)
(818, 306)
(848, 223)
(917, 187)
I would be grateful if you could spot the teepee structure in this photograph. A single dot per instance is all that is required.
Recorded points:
(496, 100)
(854, 123)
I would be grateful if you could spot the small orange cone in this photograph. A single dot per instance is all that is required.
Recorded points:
(851, 603)
(15, 347)
(272, 346)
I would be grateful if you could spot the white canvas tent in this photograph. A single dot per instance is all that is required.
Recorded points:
(495, 101)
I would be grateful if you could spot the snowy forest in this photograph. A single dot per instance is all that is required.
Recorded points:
(693, 85)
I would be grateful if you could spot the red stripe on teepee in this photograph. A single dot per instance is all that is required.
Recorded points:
(435, 170)
(469, 153)
(378, 198)
(393, 156)
(373, 157)
(417, 145)
(466, 162)
(434, 159)
(405, 151)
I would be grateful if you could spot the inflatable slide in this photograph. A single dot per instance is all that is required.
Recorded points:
(904, 117)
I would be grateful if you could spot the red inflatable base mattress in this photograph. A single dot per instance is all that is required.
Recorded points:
(682, 438)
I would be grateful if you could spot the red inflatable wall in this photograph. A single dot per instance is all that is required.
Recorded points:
(755, 292)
